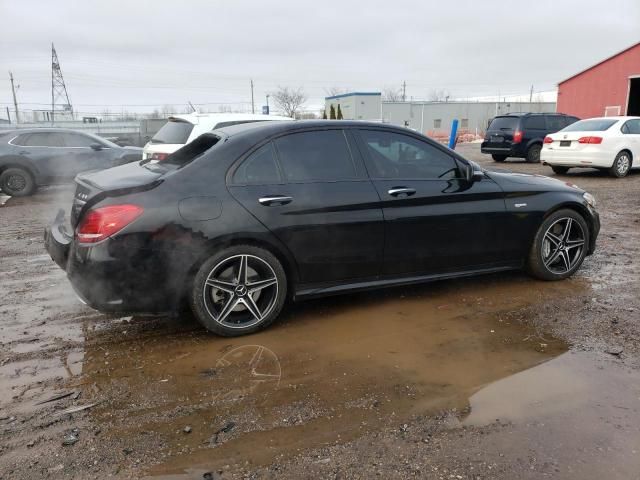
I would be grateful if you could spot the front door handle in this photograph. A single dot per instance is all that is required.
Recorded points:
(401, 191)
(275, 200)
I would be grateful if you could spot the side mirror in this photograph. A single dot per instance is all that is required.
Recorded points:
(474, 173)
(96, 146)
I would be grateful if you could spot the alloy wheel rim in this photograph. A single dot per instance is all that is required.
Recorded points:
(562, 245)
(623, 164)
(240, 291)
(16, 182)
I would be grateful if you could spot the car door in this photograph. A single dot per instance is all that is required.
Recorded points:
(435, 220)
(85, 152)
(631, 132)
(46, 151)
(312, 192)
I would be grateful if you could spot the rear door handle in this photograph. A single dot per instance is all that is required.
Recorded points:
(401, 191)
(275, 200)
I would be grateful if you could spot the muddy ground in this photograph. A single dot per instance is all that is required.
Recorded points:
(492, 377)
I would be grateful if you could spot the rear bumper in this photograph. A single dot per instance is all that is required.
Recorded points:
(110, 277)
(573, 158)
(509, 151)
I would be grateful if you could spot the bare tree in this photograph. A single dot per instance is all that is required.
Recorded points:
(439, 95)
(391, 95)
(289, 100)
(333, 91)
(167, 110)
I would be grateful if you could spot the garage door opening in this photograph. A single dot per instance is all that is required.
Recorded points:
(633, 108)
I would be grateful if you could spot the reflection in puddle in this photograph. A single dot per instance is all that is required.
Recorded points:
(330, 371)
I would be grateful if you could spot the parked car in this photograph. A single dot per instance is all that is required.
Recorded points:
(40, 156)
(245, 217)
(182, 129)
(607, 143)
(521, 134)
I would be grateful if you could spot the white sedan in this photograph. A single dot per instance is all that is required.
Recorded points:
(611, 143)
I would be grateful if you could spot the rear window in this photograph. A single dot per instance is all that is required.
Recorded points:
(191, 151)
(174, 131)
(504, 123)
(596, 125)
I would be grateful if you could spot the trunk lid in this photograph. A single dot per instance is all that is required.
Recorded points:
(91, 187)
(500, 131)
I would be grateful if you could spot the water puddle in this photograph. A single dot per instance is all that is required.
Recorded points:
(330, 371)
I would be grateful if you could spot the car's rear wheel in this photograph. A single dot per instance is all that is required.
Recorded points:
(499, 158)
(239, 290)
(621, 165)
(560, 170)
(533, 153)
(559, 247)
(17, 182)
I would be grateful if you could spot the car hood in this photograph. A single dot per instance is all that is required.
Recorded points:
(511, 181)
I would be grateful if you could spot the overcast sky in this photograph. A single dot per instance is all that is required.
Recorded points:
(136, 54)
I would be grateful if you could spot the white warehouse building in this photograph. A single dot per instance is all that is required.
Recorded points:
(430, 118)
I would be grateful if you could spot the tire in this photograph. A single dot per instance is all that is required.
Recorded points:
(533, 153)
(621, 165)
(560, 170)
(567, 259)
(223, 307)
(17, 182)
(498, 158)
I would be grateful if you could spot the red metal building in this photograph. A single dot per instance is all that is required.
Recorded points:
(610, 87)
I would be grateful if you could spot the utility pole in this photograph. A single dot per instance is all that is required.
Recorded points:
(253, 107)
(268, 112)
(531, 94)
(15, 100)
(404, 91)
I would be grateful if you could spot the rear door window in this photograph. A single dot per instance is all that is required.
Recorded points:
(258, 168)
(173, 132)
(504, 123)
(555, 123)
(535, 122)
(321, 155)
(44, 139)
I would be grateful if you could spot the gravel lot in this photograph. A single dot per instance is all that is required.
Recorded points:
(490, 377)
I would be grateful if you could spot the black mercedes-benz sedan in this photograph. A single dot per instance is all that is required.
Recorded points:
(42, 156)
(246, 217)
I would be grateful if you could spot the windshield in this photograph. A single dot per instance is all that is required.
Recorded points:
(596, 125)
(504, 123)
(174, 131)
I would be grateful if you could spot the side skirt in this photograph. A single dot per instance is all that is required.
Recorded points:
(322, 291)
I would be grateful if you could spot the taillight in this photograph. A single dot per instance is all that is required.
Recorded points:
(517, 136)
(596, 140)
(103, 222)
(548, 140)
(159, 156)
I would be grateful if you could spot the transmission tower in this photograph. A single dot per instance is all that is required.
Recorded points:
(59, 97)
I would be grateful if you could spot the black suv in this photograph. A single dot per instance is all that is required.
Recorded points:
(244, 217)
(521, 134)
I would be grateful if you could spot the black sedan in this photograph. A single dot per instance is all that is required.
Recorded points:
(246, 217)
(40, 156)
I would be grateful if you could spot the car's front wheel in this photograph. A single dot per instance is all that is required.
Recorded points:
(621, 165)
(559, 247)
(239, 290)
(17, 182)
(498, 158)
(560, 170)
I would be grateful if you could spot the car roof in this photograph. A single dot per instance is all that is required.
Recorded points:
(617, 117)
(273, 128)
(19, 131)
(524, 114)
(210, 120)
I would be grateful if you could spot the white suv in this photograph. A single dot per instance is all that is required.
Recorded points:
(182, 129)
